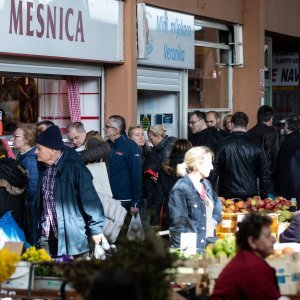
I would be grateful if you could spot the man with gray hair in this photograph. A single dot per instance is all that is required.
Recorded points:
(91, 146)
(125, 165)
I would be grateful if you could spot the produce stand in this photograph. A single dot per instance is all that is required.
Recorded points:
(25, 285)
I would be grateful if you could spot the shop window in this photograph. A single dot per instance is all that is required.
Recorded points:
(18, 101)
(209, 84)
(61, 100)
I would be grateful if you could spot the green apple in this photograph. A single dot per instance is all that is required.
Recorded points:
(218, 246)
(221, 254)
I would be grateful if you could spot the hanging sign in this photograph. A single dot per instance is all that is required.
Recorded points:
(76, 30)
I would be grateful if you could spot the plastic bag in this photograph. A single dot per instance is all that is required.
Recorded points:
(135, 229)
(100, 249)
(10, 230)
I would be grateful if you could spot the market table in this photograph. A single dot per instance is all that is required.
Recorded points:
(37, 294)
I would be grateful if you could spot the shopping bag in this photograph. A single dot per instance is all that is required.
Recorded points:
(100, 178)
(135, 229)
(10, 230)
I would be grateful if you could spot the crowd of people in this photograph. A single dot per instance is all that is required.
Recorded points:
(174, 183)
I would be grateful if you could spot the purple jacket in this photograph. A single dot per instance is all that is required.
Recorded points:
(292, 233)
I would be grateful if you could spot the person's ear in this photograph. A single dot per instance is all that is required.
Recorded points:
(252, 242)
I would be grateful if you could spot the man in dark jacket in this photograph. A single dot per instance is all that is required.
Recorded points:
(201, 134)
(214, 120)
(91, 146)
(290, 145)
(125, 165)
(266, 135)
(70, 210)
(239, 162)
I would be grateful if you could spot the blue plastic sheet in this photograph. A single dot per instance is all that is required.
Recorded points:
(10, 230)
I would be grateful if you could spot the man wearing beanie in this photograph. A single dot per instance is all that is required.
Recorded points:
(70, 210)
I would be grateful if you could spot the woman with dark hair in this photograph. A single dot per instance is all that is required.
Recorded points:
(167, 177)
(12, 187)
(24, 141)
(247, 276)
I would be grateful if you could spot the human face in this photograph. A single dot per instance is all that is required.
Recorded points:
(44, 154)
(196, 124)
(212, 121)
(19, 140)
(110, 131)
(155, 139)
(205, 166)
(228, 125)
(138, 136)
(76, 138)
(263, 246)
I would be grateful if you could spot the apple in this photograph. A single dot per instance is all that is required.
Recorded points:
(257, 198)
(217, 246)
(278, 206)
(267, 200)
(261, 209)
(285, 207)
(240, 204)
(253, 202)
(260, 204)
(269, 206)
(229, 202)
(253, 208)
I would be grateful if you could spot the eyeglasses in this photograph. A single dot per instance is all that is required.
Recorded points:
(14, 136)
(108, 126)
(194, 122)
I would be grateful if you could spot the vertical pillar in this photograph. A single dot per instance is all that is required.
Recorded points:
(247, 90)
(121, 80)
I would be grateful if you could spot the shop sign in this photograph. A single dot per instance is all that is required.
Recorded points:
(285, 69)
(90, 30)
(165, 38)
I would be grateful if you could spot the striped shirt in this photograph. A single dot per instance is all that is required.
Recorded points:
(49, 217)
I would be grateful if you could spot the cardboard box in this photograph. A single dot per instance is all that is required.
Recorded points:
(289, 288)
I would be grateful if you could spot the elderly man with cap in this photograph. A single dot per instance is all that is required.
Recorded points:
(70, 210)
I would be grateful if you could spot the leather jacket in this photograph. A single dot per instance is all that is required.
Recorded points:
(239, 162)
(267, 137)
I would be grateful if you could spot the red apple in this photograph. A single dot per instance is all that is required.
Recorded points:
(267, 200)
(260, 204)
(269, 206)
(253, 208)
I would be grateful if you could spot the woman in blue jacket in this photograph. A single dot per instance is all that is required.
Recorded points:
(193, 204)
(24, 141)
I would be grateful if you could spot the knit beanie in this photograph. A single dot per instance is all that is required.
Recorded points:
(51, 138)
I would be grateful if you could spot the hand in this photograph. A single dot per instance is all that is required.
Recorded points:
(134, 210)
(154, 179)
(98, 238)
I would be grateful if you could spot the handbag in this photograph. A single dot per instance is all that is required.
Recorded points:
(114, 212)
(100, 178)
